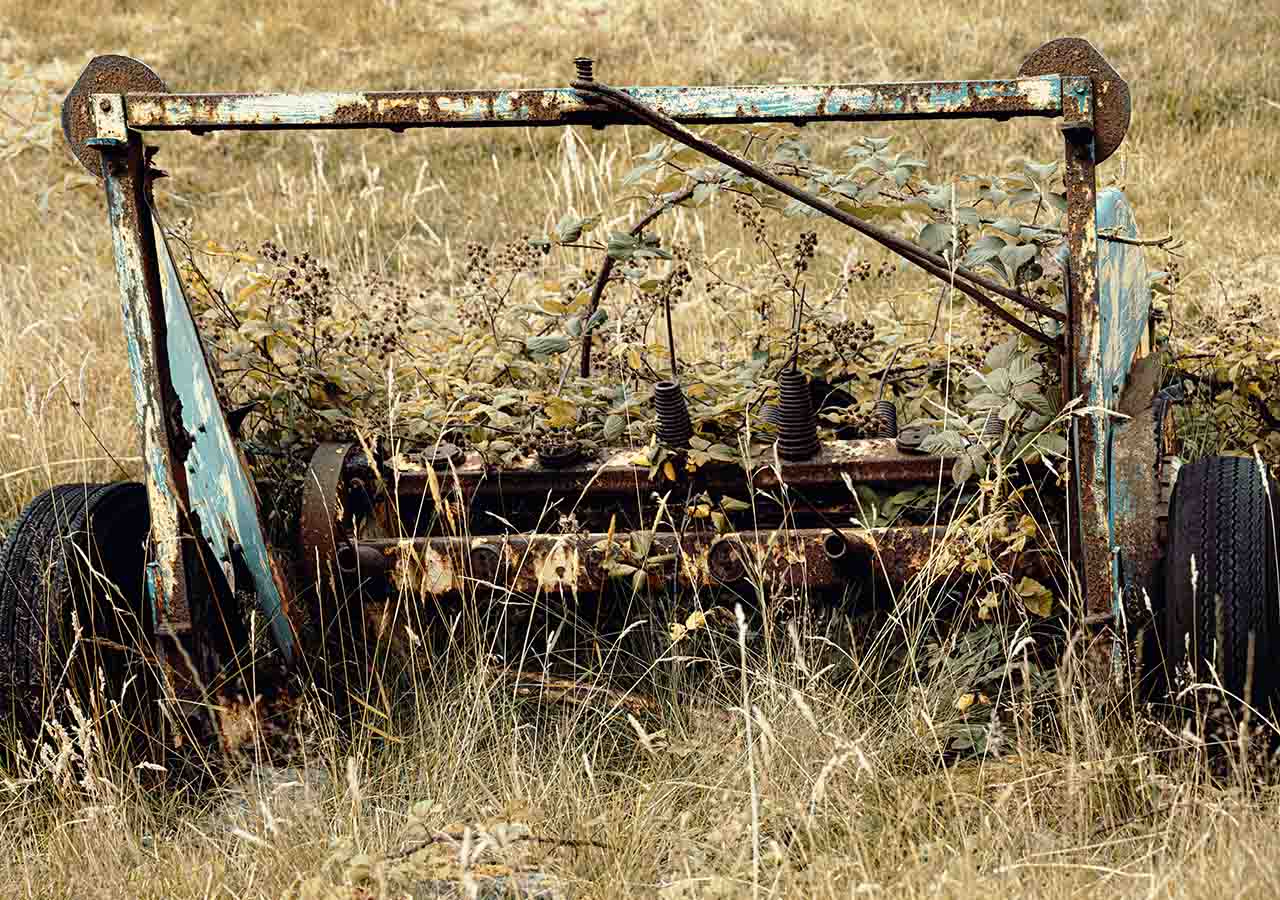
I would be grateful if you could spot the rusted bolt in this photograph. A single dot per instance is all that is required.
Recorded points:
(585, 67)
(104, 104)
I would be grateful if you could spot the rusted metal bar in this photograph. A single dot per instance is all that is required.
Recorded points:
(1001, 99)
(145, 329)
(1091, 554)
(533, 565)
(963, 279)
(617, 473)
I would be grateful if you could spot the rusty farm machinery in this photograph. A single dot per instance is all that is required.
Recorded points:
(158, 574)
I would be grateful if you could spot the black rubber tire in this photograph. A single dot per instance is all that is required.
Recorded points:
(1222, 517)
(82, 549)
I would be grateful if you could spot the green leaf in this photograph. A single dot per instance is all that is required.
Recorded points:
(935, 236)
(1010, 225)
(703, 193)
(546, 345)
(598, 318)
(613, 427)
(1016, 256)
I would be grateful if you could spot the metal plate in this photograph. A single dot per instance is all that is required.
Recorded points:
(1076, 56)
(104, 75)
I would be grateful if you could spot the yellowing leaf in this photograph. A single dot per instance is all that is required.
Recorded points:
(561, 413)
(1037, 598)
(669, 470)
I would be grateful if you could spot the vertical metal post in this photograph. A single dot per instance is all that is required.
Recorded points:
(124, 172)
(1091, 550)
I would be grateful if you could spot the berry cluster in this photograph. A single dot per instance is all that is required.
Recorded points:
(752, 219)
(302, 284)
(805, 249)
(849, 337)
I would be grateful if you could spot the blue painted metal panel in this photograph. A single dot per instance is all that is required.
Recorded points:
(1035, 96)
(221, 494)
(1124, 310)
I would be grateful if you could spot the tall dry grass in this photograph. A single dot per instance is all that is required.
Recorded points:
(779, 781)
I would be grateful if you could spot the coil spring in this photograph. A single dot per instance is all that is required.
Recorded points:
(993, 429)
(674, 425)
(797, 425)
(886, 418)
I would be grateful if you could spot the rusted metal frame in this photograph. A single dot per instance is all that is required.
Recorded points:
(966, 281)
(1092, 553)
(1032, 96)
(167, 578)
(541, 564)
(192, 464)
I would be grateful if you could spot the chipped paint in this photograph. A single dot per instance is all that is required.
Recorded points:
(1129, 449)
(1033, 96)
(421, 569)
(1092, 547)
(559, 568)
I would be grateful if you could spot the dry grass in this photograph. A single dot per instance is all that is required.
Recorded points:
(838, 791)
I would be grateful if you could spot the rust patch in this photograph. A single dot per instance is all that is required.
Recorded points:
(111, 74)
(584, 564)
(1112, 107)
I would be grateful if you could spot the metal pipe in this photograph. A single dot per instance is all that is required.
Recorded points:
(1001, 99)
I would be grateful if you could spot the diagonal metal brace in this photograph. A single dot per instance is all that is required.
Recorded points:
(964, 280)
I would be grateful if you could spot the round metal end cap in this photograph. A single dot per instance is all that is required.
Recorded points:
(104, 75)
(1076, 56)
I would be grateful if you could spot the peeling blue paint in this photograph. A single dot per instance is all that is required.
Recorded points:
(220, 492)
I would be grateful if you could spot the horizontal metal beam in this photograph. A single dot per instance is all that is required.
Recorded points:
(797, 560)
(1034, 96)
(616, 471)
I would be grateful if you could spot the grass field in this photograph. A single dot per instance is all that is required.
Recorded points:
(822, 790)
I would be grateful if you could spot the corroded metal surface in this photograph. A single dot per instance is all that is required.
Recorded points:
(1091, 544)
(110, 74)
(1133, 453)
(321, 520)
(586, 563)
(618, 476)
(222, 503)
(1076, 56)
(153, 110)
(145, 340)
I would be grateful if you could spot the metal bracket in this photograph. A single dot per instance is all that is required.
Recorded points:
(108, 118)
(1077, 104)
